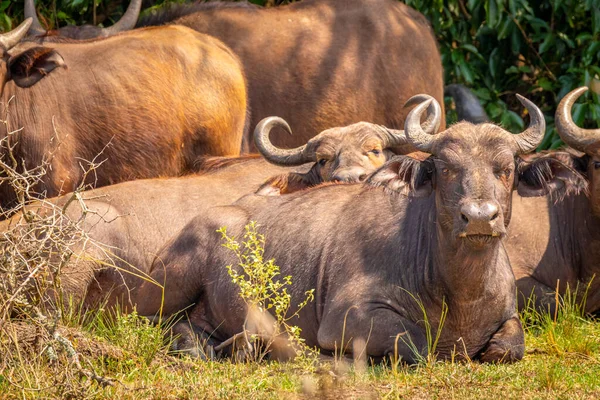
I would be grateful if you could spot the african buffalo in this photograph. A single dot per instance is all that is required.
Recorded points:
(323, 63)
(149, 101)
(416, 231)
(558, 242)
(126, 23)
(136, 218)
(343, 154)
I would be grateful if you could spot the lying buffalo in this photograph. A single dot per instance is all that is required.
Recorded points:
(343, 154)
(415, 230)
(127, 22)
(150, 101)
(136, 218)
(323, 63)
(558, 243)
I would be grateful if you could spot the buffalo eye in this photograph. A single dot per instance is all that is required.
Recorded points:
(322, 161)
(375, 152)
(445, 171)
(503, 173)
(596, 164)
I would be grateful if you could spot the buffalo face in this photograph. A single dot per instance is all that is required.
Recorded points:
(473, 170)
(474, 175)
(343, 154)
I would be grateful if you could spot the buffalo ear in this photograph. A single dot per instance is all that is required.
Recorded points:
(28, 67)
(285, 184)
(405, 175)
(548, 175)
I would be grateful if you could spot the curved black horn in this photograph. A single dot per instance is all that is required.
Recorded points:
(30, 12)
(531, 138)
(10, 39)
(127, 21)
(274, 154)
(576, 137)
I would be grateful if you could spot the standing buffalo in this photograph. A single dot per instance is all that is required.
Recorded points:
(323, 63)
(558, 243)
(416, 230)
(150, 101)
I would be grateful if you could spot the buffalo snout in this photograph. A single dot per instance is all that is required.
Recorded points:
(355, 174)
(481, 219)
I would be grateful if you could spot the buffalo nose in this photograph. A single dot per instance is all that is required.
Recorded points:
(479, 212)
(353, 175)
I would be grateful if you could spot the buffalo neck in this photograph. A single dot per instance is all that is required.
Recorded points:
(466, 274)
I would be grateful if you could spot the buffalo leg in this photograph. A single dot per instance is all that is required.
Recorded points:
(192, 340)
(507, 344)
(384, 332)
(543, 296)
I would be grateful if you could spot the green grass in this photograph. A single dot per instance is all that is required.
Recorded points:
(562, 361)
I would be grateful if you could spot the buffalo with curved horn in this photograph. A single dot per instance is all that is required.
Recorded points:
(412, 230)
(556, 244)
(127, 22)
(343, 154)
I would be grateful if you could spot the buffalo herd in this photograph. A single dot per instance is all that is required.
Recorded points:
(398, 223)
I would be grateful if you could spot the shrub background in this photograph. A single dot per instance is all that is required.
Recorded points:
(539, 48)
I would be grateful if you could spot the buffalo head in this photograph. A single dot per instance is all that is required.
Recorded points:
(472, 171)
(343, 154)
(127, 22)
(583, 140)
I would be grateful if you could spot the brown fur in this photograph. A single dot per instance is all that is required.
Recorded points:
(150, 100)
(325, 63)
(211, 164)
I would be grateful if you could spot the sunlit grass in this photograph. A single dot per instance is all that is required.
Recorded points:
(562, 361)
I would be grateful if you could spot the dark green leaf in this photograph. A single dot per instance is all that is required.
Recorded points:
(492, 13)
(547, 43)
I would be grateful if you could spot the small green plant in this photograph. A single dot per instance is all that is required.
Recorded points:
(130, 332)
(264, 293)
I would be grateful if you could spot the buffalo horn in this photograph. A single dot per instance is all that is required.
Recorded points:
(30, 12)
(127, 21)
(274, 154)
(393, 137)
(413, 130)
(434, 113)
(10, 39)
(576, 137)
(396, 137)
(531, 138)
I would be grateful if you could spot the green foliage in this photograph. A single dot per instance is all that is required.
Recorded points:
(261, 290)
(57, 13)
(541, 49)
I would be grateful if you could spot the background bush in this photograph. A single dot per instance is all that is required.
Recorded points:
(539, 48)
